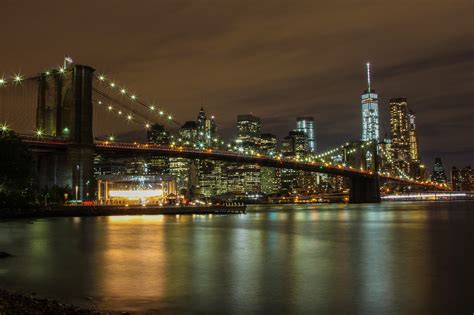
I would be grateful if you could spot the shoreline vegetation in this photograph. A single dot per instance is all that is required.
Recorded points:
(84, 211)
(12, 302)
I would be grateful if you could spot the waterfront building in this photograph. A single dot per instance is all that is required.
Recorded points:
(136, 190)
(212, 179)
(295, 145)
(439, 174)
(370, 112)
(307, 125)
(184, 171)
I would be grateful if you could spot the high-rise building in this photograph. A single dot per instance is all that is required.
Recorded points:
(370, 112)
(400, 130)
(158, 135)
(268, 144)
(248, 131)
(306, 125)
(269, 176)
(413, 137)
(295, 144)
(155, 164)
(188, 133)
(207, 135)
(439, 175)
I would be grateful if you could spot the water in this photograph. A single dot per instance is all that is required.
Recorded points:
(389, 258)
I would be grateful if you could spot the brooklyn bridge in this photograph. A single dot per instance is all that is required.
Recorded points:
(68, 111)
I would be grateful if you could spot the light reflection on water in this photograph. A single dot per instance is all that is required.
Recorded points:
(393, 257)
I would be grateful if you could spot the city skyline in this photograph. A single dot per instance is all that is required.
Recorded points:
(308, 81)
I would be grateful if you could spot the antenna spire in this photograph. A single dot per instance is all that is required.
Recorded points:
(368, 75)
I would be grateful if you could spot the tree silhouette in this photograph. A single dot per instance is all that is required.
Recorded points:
(16, 171)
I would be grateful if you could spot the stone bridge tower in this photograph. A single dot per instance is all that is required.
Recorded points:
(64, 111)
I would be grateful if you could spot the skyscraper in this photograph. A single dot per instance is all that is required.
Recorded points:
(306, 125)
(400, 131)
(248, 131)
(158, 135)
(438, 172)
(370, 112)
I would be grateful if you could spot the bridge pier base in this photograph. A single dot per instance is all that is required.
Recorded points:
(80, 168)
(364, 189)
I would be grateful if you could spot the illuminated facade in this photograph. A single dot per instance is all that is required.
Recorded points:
(306, 125)
(370, 112)
(136, 190)
(248, 131)
(400, 131)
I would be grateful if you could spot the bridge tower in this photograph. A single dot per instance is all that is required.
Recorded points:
(64, 110)
(366, 189)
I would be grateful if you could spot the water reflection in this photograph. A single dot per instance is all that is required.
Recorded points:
(280, 259)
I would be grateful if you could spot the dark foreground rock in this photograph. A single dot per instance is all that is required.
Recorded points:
(16, 303)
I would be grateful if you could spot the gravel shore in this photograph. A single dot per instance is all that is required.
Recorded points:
(17, 303)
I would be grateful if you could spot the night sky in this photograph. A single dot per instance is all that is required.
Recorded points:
(275, 59)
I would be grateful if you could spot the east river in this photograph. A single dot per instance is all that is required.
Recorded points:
(400, 258)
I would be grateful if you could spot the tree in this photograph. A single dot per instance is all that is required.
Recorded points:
(16, 171)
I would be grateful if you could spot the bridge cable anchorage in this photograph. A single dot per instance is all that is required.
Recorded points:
(134, 98)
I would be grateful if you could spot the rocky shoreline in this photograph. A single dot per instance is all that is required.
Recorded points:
(18, 303)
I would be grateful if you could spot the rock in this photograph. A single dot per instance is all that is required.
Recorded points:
(5, 255)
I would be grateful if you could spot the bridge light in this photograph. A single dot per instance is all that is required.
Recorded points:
(61, 69)
(111, 138)
(161, 112)
(152, 107)
(4, 127)
(100, 102)
(147, 126)
(170, 117)
(133, 97)
(120, 112)
(110, 107)
(123, 91)
(17, 78)
(129, 117)
(39, 132)
(101, 77)
(47, 73)
(112, 84)
(3, 81)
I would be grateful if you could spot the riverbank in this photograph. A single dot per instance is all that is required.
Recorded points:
(18, 303)
(84, 211)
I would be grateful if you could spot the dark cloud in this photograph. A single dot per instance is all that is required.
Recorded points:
(276, 59)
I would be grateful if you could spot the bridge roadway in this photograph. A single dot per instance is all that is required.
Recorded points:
(42, 143)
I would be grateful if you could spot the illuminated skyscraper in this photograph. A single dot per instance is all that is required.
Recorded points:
(306, 125)
(370, 112)
(248, 131)
(400, 130)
